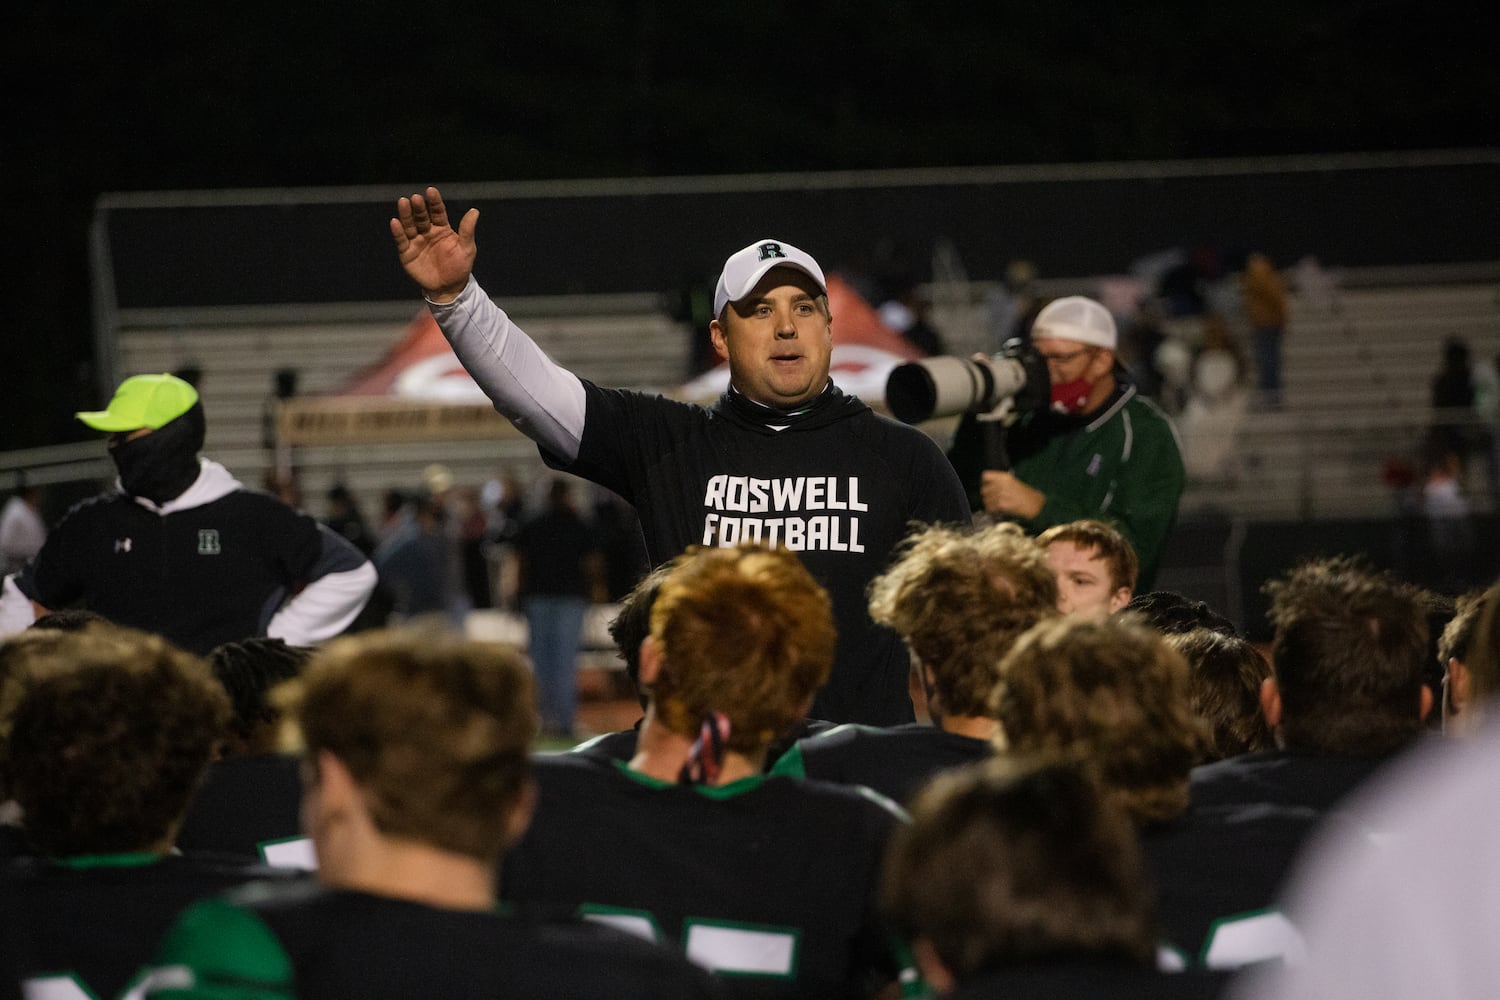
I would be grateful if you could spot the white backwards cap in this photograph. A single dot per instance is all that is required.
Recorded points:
(1075, 318)
(746, 267)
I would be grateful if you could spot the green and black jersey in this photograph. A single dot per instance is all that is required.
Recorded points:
(768, 881)
(622, 745)
(1221, 869)
(246, 806)
(896, 761)
(315, 943)
(1219, 872)
(88, 927)
(1104, 978)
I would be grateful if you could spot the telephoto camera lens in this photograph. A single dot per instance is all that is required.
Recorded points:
(1016, 378)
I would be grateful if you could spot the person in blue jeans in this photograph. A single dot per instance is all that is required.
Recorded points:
(561, 569)
(1266, 310)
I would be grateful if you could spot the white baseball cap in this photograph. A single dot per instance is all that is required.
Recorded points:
(1075, 318)
(745, 267)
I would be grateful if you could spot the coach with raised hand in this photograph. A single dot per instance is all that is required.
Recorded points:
(784, 457)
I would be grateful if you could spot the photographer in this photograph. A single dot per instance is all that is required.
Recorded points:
(1100, 450)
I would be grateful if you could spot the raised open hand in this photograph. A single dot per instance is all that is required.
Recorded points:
(435, 255)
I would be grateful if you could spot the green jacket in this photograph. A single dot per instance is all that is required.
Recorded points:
(1122, 464)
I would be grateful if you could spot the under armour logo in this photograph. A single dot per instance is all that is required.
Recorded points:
(769, 250)
(208, 542)
(122, 545)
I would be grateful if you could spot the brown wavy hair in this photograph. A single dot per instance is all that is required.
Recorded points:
(435, 731)
(1349, 655)
(1227, 672)
(1016, 861)
(1113, 694)
(109, 740)
(960, 598)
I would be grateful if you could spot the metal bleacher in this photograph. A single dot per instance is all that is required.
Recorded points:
(627, 341)
(1357, 379)
(1357, 364)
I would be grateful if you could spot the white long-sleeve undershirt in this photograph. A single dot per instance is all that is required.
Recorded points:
(544, 400)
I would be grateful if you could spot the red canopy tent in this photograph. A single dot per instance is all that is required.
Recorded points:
(418, 390)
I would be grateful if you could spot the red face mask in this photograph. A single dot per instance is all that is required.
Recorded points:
(1070, 397)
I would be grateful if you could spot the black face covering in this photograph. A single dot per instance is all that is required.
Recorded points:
(160, 466)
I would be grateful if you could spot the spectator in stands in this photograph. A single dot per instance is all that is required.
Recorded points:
(561, 572)
(251, 798)
(1112, 693)
(1453, 392)
(1011, 304)
(415, 751)
(1227, 673)
(1487, 427)
(784, 455)
(960, 598)
(450, 498)
(1464, 413)
(345, 519)
(1317, 287)
(908, 313)
(182, 549)
(396, 508)
(618, 528)
(413, 562)
(1183, 278)
(1018, 879)
(112, 732)
(1099, 451)
(1095, 567)
(1346, 689)
(1139, 343)
(1216, 403)
(22, 529)
(284, 486)
(1436, 542)
(505, 503)
(470, 525)
(1267, 311)
(766, 880)
(1169, 613)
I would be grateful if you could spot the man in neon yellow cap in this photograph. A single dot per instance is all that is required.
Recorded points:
(182, 548)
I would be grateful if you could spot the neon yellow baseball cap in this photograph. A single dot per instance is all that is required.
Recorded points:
(143, 401)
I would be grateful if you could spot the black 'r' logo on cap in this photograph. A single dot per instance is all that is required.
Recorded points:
(769, 250)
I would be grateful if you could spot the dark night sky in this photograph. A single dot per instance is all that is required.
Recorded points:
(176, 95)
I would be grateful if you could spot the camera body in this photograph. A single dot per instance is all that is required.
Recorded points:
(1000, 386)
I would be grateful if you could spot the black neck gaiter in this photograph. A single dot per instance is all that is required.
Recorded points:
(760, 413)
(160, 466)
